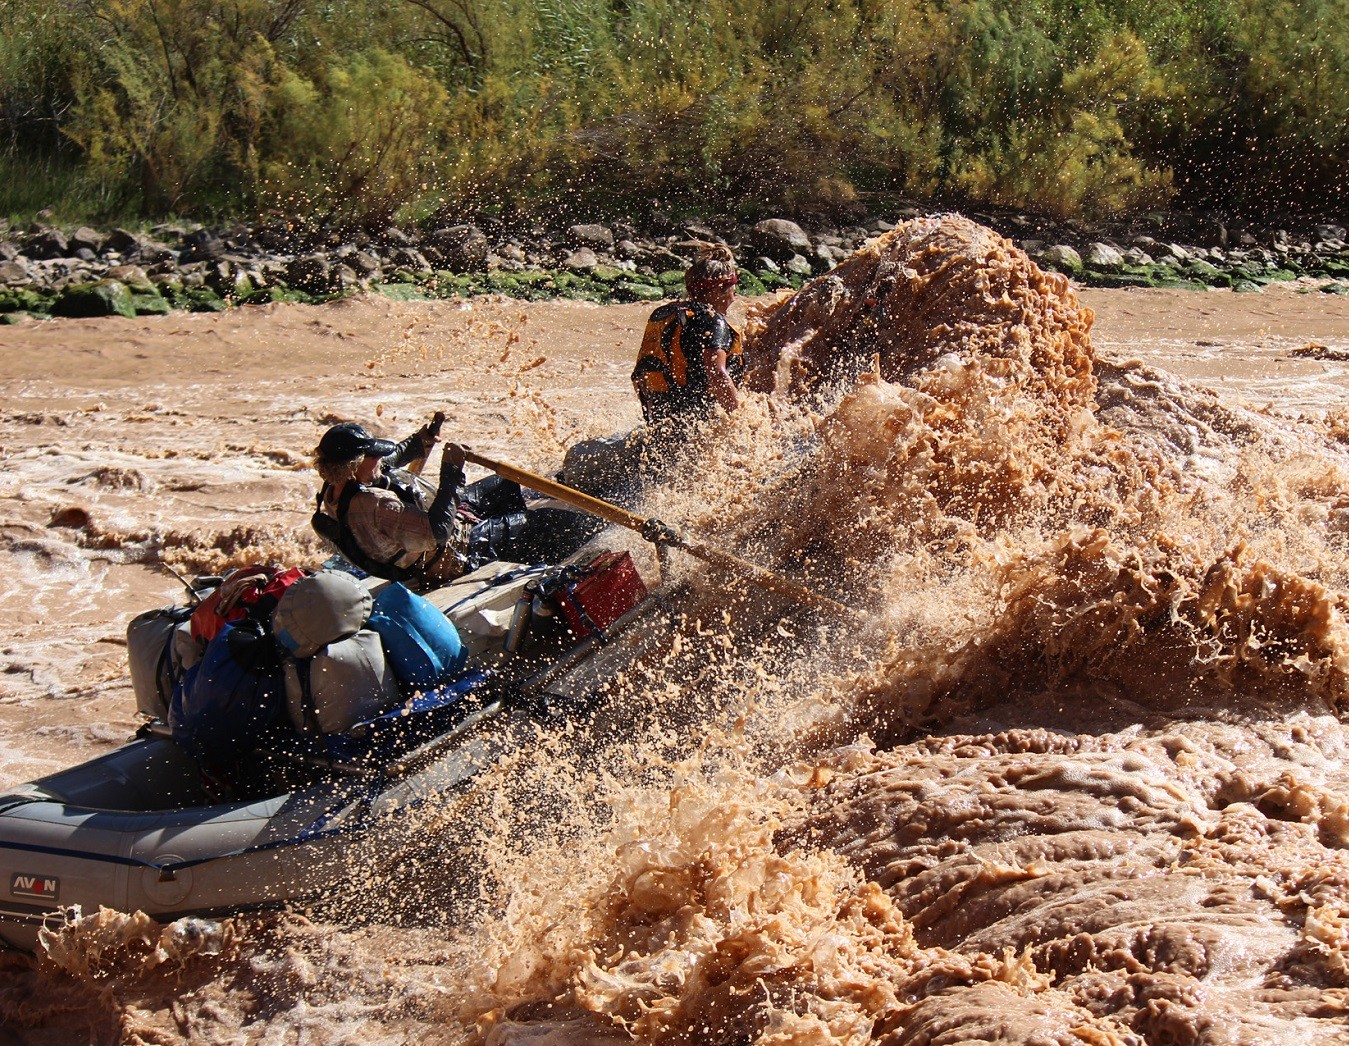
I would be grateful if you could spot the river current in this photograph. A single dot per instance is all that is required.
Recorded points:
(1073, 774)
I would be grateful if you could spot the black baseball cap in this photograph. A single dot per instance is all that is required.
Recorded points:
(349, 440)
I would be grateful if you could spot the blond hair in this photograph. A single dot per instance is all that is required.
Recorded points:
(713, 269)
(335, 473)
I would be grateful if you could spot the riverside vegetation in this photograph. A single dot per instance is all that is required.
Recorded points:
(359, 111)
(450, 147)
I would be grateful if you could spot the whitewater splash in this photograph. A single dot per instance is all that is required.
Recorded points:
(1112, 602)
(1081, 780)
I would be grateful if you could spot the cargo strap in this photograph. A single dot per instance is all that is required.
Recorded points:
(308, 710)
(567, 580)
(504, 578)
(584, 615)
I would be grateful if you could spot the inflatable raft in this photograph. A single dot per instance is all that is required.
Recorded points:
(139, 827)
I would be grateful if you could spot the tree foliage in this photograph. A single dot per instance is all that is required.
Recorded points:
(352, 110)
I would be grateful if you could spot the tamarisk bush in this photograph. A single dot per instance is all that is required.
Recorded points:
(358, 110)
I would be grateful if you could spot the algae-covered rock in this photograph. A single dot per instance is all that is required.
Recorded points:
(769, 281)
(134, 277)
(1208, 273)
(1174, 281)
(399, 291)
(508, 283)
(21, 299)
(100, 298)
(229, 281)
(150, 303)
(1062, 258)
(750, 284)
(1118, 279)
(579, 288)
(203, 299)
(630, 290)
(532, 285)
(275, 292)
(470, 284)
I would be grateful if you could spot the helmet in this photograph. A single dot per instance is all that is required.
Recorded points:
(349, 440)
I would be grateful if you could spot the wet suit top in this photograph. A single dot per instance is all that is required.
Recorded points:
(670, 378)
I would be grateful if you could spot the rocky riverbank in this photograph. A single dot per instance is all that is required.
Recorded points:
(50, 271)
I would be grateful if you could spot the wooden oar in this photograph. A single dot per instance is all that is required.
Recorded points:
(659, 533)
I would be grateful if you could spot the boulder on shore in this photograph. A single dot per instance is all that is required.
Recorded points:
(100, 298)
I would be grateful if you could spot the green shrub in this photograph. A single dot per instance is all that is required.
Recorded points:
(358, 111)
(1074, 157)
(358, 139)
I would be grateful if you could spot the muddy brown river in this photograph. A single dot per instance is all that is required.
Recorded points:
(1076, 775)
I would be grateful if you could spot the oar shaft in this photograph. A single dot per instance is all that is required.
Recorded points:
(647, 527)
(604, 509)
(763, 578)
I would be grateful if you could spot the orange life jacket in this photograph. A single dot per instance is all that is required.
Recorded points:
(669, 377)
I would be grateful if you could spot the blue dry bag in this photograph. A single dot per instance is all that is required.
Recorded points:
(421, 644)
(230, 697)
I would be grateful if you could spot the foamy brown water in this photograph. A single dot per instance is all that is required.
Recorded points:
(1080, 779)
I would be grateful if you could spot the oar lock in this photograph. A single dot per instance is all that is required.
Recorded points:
(659, 533)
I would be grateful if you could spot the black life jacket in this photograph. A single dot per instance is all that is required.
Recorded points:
(339, 533)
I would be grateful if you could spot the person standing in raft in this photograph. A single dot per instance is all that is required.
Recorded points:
(690, 358)
(390, 522)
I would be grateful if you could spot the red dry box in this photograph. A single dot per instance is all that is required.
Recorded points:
(601, 592)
